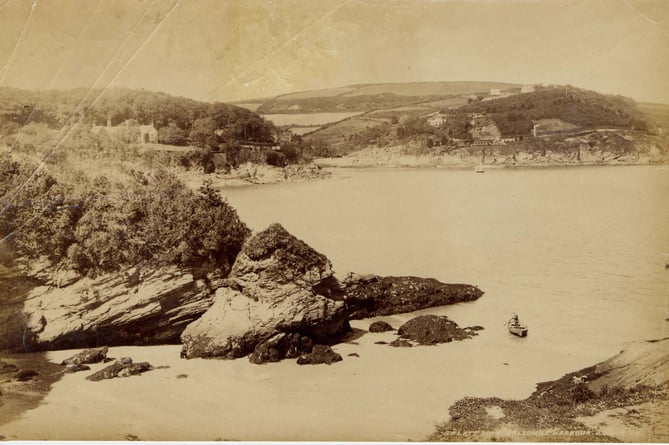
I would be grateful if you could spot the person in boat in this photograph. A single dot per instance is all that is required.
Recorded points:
(513, 320)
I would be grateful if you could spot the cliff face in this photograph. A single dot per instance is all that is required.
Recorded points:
(132, 307)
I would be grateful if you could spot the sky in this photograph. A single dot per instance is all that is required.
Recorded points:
(227, 50)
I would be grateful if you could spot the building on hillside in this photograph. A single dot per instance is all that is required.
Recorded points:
(495, 92)
(436, 120)
(527, 89)
(129, 132)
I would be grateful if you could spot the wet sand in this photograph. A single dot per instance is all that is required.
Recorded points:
(390, 394)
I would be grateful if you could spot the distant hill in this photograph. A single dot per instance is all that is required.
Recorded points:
(368, 97)
(516, 114)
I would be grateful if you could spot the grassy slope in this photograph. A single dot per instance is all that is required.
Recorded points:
(368, 97)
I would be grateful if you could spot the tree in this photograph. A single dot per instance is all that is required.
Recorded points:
(172, 135)
(203, 133)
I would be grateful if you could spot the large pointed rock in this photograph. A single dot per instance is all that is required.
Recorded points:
(278, 284)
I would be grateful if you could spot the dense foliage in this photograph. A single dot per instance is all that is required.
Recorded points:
(514, 115)
(177, 119)
(97, 225)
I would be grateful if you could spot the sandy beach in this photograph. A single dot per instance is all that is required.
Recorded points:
(370, 397)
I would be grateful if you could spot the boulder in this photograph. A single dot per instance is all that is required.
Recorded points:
(120, 368)
(125, 308)
(26, 374)
(94, 355)
(380, 326)
(370, 296)
(277, 285)
(281, 346)
(431, 329)
(318, 355)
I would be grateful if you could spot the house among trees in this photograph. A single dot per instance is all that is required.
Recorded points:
(436, 120)
(527, 89)
(129, 132)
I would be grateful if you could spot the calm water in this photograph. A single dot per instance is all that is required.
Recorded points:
(579, 253)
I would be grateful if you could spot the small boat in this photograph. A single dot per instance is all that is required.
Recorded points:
(479, 169)
(518, 329)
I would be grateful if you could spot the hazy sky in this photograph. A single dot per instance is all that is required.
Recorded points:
(238, 49)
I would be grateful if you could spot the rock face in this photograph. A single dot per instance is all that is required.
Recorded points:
(133, 307)
(431, 329)
(320, 354)
(371, 296)
(278, 285)
(120, 368)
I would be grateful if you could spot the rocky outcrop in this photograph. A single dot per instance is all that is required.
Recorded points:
(120, 368)
(371, 296)
(432, 329)
(132, 307)
(320, 354)
(275, 287)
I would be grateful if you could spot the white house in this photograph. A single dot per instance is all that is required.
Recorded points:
(436, 120)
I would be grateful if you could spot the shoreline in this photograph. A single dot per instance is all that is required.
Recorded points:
(194, 393)
(323, 163)
(16, 397)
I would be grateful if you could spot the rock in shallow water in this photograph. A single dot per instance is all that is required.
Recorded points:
(26, 374)
(6, 368)
(401, 343)
(121, 368)
(431, 329)
(94, 355)
(77, 368)
(281, 346)
(380, 326)
(319, 354)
